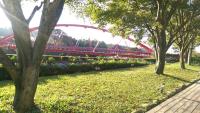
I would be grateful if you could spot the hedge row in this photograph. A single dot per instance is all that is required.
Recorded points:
(4, 74)
(55, 69)
(195, 61)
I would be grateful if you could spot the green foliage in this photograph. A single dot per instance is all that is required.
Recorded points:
(74, 68)
(59, 69)
(195, 61)
(151, 60)
(74, 59)
(120, 14)
(113, 91)
(13, 58)
(4, 74)
(51, 60)
(185, 26)
(128, 16)
(197, 41)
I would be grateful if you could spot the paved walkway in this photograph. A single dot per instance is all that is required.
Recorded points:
(187, 101)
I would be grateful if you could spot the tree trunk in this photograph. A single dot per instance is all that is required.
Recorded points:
(160, 64)
(190, 55)
(25, 88)
(186, 55)
(155, 52)
(161, 53)
(181, 60)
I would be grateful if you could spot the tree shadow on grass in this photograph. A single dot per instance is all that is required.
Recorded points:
(44, 79)
(177, 78)
(35, 109)
(191, 70)
(5, 83)
(5, 111)
(94, 73)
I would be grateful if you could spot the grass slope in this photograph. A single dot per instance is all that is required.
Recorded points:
(120, 91)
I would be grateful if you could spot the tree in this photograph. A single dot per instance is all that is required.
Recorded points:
(136, 17)
(186, 20)
(193, 44)
(25, 75)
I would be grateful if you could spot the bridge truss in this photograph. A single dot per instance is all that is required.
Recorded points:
(6, 42)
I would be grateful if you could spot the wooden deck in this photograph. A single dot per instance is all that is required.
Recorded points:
(187, 101)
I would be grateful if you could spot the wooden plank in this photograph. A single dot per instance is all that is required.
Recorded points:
(191, 108)
(194, 93)
(181, 94)
(154, 110)
(168, 106)
(197, 99)
(189, 92)
(176, 106)
(174, 100)
(184, 107)
(191, 104)
(185, 91)
(197, 109)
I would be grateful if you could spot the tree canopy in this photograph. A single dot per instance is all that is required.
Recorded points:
(137, 17)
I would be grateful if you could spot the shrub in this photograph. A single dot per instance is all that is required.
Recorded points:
(73, 59)
(150, 60)
(59, 69)
(4, 74)
(13, 58)
(51, 60)
(195, 61)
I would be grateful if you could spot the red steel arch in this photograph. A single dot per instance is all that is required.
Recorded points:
(87, 50)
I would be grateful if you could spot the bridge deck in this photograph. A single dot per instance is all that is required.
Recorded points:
(187, 101)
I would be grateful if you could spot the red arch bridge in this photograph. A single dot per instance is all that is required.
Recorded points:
(7, 42)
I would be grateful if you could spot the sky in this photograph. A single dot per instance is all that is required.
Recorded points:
(68, 17)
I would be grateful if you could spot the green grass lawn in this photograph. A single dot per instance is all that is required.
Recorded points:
(116, 91)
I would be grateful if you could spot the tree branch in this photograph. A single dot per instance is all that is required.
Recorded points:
(8, 65)
(150, 30)
(172, 11)
(36, 8)
(50, 15)
(158, 10)
(20, 28)
(1, 6)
